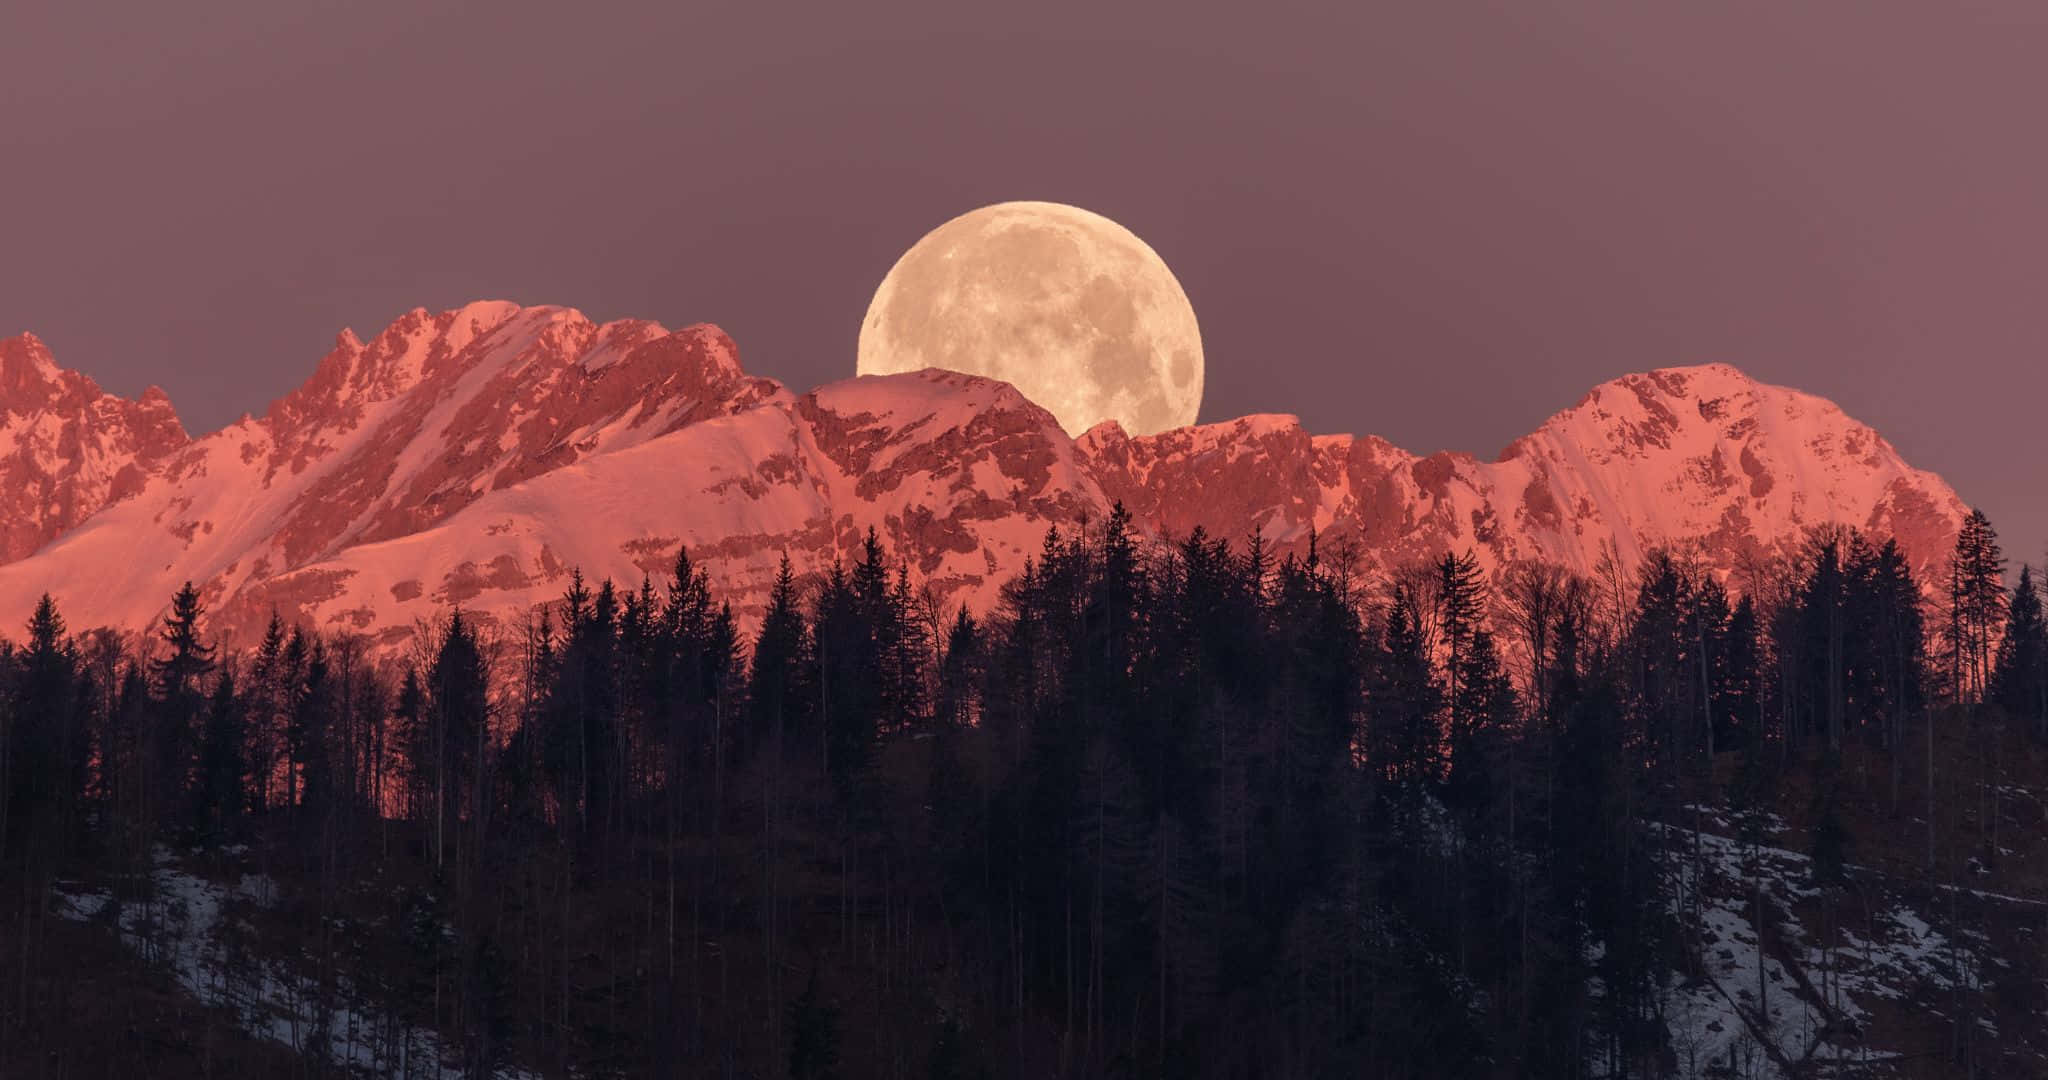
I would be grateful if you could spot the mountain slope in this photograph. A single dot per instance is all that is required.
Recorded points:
(387, 438)
(963, 474)
(476, 456)
(1698, 456)
(67, 449)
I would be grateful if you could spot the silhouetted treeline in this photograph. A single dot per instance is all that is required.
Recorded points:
(1179, 810)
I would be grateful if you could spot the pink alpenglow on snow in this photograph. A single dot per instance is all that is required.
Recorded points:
(474, 457)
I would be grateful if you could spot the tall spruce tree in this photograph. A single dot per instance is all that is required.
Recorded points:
(846, 655)
(1480, 723)
(313, 705)
(410, 719)
(2019, 681)
(263, 693)
(1460, 594)
(960, 674)
(1976, 607)
(180, 697)
(44, 752)
(1663, 671)
(776, 697)
(1708, 625)
(290, 688)
(1900, 648)
(221, 791)
(1738, 713)
(1824, 630)
(458, 719)
(1405, 699)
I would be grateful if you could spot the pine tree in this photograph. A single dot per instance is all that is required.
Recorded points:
(581, 712)
(960, 675)
(1824, 636)
(1707, 625)
(292, 714)
(312, 706)
(906, 657)
(1976, 607)
(1737, 692)
(1312, 707)
(778, 703)
(221, 792)
(722, 671)
(1404, 699)
(1460, 595)
(180, 701)
(1663, 670)
(847, 659)
(1883, 647)
(1103, 669)
(44, 752)
(458, 713)
(1900, 649)
(409, 717)
(371, 705)
(2019, 681)
(775, 696)
(261, 712)
(1479, 727)
(126, 763)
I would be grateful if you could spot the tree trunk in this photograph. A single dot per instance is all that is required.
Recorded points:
(1930, 793)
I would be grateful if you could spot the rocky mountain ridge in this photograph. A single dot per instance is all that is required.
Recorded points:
(475, 456)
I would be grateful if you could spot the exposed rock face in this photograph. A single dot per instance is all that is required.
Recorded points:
(1702, 457)
(476, 456)
(67, 449)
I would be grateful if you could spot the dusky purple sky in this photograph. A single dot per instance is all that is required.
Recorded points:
(1437, 222)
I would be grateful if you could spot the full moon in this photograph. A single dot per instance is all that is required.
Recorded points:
(1067, 306)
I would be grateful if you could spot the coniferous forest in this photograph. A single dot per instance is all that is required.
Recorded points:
(1178, 809)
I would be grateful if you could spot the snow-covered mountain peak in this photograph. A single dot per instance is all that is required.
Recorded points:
(920, 391)
(1689, 409)
(356, 375)
(1711, 455)
(475, 456)
(708, 349)
(25, 362)
(68, 448)
(31, 382)
(1703, 456)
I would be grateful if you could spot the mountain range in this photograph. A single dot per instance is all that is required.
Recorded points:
(476, 456)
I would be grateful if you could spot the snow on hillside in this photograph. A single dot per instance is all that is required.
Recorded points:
(930, 460)
(1823, 1004)
(193, 927)
(387, 439)
(476, 456)
(1701, 456)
